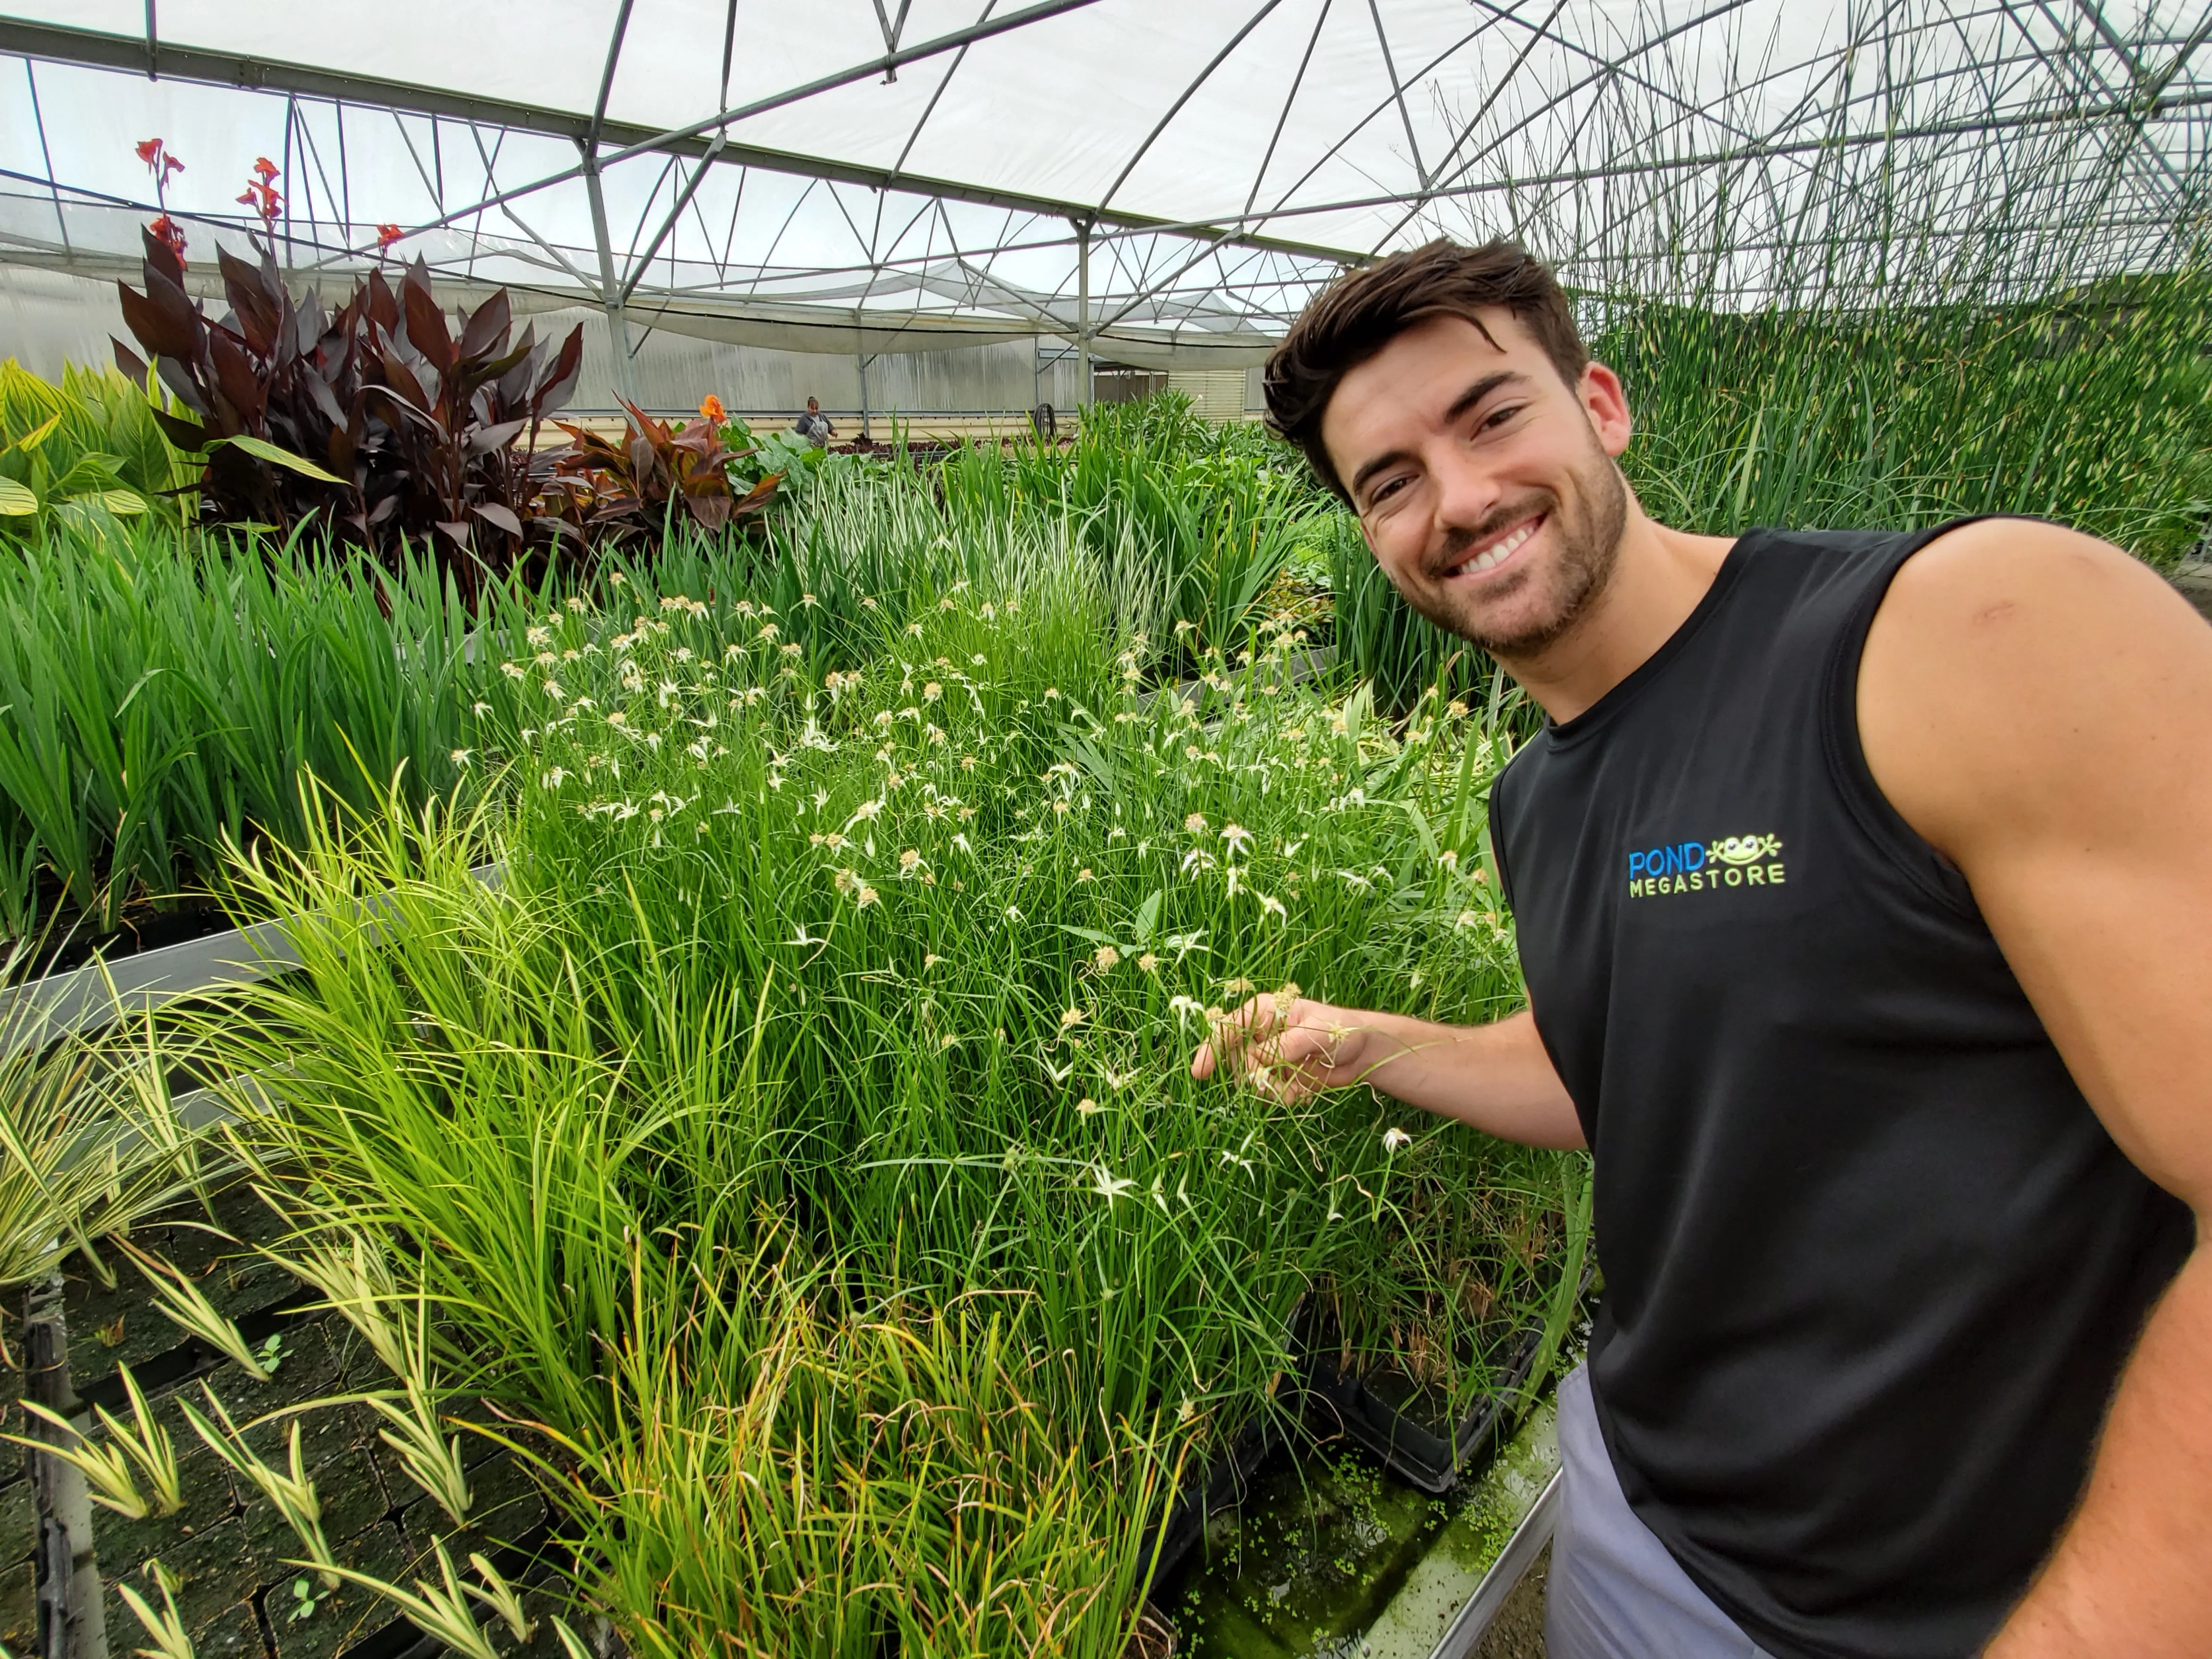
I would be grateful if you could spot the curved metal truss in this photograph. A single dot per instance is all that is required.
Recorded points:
(1161, 181)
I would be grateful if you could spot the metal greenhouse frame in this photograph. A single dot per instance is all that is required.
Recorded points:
(1164, 186)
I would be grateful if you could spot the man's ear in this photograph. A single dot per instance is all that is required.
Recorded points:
(1606, 403)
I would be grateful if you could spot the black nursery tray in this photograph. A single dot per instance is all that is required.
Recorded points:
(1381, 1412)
(227, 1548)
(1223, 1485)
(1225, 1481)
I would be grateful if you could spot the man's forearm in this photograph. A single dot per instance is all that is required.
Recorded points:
(1497, 1078)
(2132, 1574)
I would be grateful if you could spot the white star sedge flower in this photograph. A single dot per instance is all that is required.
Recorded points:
(1183, 1007)
(1237, 836)
(1271, 905)
(1087, 1107)
(460, 757)
(1195, 824)
(1108, 1185)
(1394, 1138)
(1072, 1018)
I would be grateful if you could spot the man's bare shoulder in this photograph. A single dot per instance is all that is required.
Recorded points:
(2012, 659)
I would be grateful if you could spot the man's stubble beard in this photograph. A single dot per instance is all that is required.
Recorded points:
(1589, 546)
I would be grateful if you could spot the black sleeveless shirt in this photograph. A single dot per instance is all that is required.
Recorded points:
(1872, 1265)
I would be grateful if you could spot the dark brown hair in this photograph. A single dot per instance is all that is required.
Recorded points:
(1363, 311)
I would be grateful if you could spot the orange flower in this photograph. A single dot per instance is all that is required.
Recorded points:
(265, 167)
(387, 234)
(710, 409)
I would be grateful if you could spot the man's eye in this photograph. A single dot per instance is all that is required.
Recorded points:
(1498, 417)
(1382, 492)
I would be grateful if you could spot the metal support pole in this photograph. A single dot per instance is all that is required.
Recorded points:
(1083, 315)
(861, 358)
(66, 1576)
(610, 292)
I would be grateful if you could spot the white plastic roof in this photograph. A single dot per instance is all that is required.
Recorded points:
(891, 174)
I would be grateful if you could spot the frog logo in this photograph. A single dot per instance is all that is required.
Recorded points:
(1706, 866)
(1741, 850)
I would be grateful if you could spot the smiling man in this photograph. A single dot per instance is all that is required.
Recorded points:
(1862, 890)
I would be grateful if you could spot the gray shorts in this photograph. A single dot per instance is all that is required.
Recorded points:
(1614, 1592)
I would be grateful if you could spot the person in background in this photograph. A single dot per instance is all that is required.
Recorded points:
(1859, 881)
(814, 426)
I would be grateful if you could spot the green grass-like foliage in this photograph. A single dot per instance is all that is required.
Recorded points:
(799, 1142)
(161, 700)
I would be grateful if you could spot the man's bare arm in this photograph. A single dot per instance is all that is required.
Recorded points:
(1497, 1077)
(2033, 703)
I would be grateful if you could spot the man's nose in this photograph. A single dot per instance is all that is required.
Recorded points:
(1465, 494)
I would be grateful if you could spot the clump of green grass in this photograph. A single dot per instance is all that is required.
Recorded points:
(161, 699)
(798, 1145)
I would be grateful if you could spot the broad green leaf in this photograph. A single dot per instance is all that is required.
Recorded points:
(125, 503)
(16, 500)
(33, 440)
(262, 449)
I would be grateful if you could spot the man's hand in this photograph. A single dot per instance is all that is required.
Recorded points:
(1497, 1078)
(1288, 1046)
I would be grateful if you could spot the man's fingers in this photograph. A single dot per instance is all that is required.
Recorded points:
(1234, 1035)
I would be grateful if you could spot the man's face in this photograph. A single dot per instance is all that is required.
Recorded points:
(1484, 483)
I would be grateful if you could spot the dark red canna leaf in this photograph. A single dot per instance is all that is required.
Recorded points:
(259, 314)
(401, 380)
(235, 378)
(129, 362)
(159, 327)
(485, 439)
(560, 380)
(164, 259)
(492, 513)
(187, 435)
(486, 330)
(426, 324)
(183, 384)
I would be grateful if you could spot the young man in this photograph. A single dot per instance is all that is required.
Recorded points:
(1862, 890)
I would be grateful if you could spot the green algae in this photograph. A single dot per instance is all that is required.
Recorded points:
(1330, 1558)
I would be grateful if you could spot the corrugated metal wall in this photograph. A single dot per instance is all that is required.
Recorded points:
(47, 318)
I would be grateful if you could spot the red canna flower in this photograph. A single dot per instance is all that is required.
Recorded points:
(170, 232)
(265, 167)
(387, 234)
(267, 201)
(149, 151)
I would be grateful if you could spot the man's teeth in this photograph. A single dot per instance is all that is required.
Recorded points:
(1497, 551)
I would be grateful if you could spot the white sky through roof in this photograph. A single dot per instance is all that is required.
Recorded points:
(1224, 148)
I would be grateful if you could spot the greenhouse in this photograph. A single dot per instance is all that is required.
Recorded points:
(685, 724)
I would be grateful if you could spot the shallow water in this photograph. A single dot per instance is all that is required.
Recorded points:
(1331, 1558)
